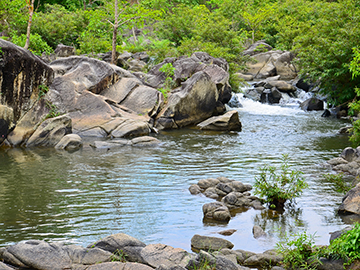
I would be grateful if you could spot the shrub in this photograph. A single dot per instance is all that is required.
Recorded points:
(277, 188)
(299, 251)
(347, 246)
(338, 181)
(37, 44)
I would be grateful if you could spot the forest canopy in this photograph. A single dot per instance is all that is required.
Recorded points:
(322, 34)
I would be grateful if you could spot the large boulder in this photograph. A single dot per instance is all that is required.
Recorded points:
(267, 62)
(70, 142)
(194, 102)
(226, 122)
(23, 78)
(351, 201)
(312, 104)
(41, 255)
(78, 88)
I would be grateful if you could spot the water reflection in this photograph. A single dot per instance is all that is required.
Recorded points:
(86, 195)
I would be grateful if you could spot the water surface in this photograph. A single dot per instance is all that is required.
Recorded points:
(83, 196)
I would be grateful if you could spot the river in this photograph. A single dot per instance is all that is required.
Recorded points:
(83, 196)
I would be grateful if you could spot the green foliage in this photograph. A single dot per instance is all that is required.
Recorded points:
(37, 44)
(299, 251)
(347, 246)
(338, 180)
(118, 256)
(53, 111)
(57, 25)
(169, 71)
(13, 16)
(277, 188)
(43, 89)
(354, 106)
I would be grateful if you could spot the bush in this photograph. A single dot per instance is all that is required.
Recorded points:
(347, 246)
(299, 251)
(37, 44)
(277, 188)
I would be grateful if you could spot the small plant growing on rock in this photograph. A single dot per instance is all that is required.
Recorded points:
(118, 256)
(169, 71)
(299, 251)
(43, 89)
(278, 188)
(53, 110)
(347, 246)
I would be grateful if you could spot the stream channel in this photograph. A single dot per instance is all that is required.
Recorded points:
(84, 196)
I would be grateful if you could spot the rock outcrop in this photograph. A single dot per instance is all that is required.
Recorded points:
(23, 79)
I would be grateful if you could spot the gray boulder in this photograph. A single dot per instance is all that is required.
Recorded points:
(192, 103)
(312, 104)
(349, 154)
(159, 254)
(50, 132)
(216, 211)
(46, 256)
(70, 142)
(267, 258)
(144, 141)
(351, 201)
(270, 96)
(280, 85)
(3, 266)
(257, 47)
(234, 102)
(226, 122)
(77, 90)
(208, 243)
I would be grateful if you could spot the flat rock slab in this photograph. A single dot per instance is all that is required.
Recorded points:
(52, 256)
(226, 122)
(160, 254)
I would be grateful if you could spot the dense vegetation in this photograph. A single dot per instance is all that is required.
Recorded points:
(323, 34)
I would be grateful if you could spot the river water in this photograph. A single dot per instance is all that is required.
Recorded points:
(83, 196)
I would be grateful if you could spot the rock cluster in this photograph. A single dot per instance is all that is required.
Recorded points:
(230, 193)
(98, 99)
(348, 161)
(123, 252)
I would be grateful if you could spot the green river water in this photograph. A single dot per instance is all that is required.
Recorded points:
(83, 196)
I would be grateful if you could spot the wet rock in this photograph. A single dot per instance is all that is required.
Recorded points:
(208, 243)
(349, 154)
(50, 132)
(6, 121)
(131, 128)
(345, 130)
(211, 193)
(258, 232)
(194, 189)
(227, 232)
(312, 104)
(110, 143)
(226, 122)
(159, 254)
(216, 211)
(206, 183)
(70, 142)
(234, 102)
(144, 141)
(351, 201)
(337, 161)
(270, 96)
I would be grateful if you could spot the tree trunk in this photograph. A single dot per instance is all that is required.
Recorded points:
(30, 4)
(115, 28)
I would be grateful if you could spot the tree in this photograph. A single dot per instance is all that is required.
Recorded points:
(30, 4)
